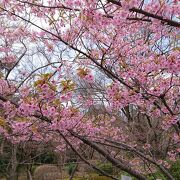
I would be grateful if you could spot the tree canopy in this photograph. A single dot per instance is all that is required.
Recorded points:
(105, 73)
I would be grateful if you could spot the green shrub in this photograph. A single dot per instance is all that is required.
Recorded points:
(175, 170)
(70, 168)
(47, 158)
(156, 175)
(106, 167)
(4, 161)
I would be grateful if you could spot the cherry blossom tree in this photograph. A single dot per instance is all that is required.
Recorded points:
(131, 45)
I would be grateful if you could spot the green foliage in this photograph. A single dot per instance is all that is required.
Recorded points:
(47, 158)
(70, 168)
(156, 175)
(34, 168)
(4, 160)
(175, 170)
(106, 167)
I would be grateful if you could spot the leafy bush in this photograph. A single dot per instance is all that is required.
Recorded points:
(70, 168)
(4, 160)
(175, 170)
(47, 158)
(106, 167)
(156, 175)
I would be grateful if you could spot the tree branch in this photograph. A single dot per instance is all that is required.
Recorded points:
(114, 161)
(148, 14)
